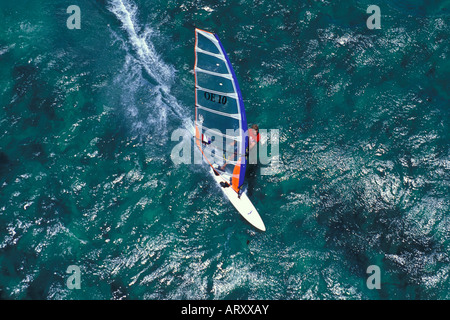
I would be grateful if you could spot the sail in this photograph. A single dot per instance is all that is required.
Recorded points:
(220, 122)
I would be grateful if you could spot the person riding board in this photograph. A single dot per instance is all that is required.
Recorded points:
(254, 138)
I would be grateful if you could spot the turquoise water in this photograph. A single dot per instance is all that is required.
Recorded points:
(86, 176)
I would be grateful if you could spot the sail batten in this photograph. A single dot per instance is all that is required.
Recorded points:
(231, 115)
(210, 53)
(223, 75)
(220, 121)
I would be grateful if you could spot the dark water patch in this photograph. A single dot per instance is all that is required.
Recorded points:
(17, 263)
(108, 144)
(240, 293)
(408, 7)
(310, 103)
(24, 77)
(118, 290)
(412, 259)
(43, 101)
(39, 288)
(4, 163)
(102, 3)
(89, 108)
(346, 231)
(13, 261)
(111, 141)
(31, 149)
(52, 208)
(36, 93)
(419, 8)
(349, 15)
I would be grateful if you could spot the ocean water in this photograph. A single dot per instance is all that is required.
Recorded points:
(86, 176)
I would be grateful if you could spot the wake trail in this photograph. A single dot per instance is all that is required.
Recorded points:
(143, 55)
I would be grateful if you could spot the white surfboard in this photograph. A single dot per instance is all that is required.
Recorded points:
(242, 204)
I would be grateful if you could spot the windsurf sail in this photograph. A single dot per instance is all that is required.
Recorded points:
(220, 121)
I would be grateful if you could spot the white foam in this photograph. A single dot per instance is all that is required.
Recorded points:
(152, 112)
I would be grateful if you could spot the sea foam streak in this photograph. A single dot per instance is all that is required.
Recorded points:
(152, 87)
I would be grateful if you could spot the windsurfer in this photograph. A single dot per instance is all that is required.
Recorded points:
(254, 138)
